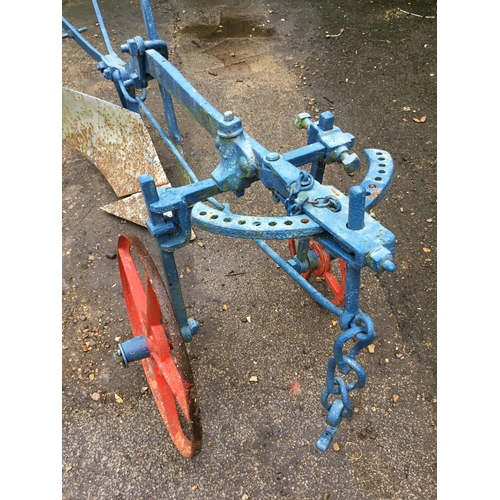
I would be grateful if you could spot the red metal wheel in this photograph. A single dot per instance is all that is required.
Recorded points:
(167, 369)
(324, 269)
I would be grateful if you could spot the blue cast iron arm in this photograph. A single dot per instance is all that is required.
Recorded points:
(72, 32)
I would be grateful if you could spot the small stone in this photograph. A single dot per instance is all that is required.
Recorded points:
(336, 446)
(95, 396)
(111, 255)
(195, 487)
(253, 378)
(225, 307)
(395, 398)
(201, 244)
(371, 348)
(144, 389)
(245, 497)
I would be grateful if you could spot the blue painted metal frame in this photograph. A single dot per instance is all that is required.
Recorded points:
(338, 222)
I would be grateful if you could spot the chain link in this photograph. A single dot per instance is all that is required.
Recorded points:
(362, 331)
(304, 182)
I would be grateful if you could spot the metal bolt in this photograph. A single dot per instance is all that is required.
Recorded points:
(272, 156)
(228, 116)
(389, 266)
(350, 161)
(303, 120)
(326, 120)
(118, 359)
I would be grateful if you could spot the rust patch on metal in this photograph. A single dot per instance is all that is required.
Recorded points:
(114, 139)
(133, 208)
(374, 193)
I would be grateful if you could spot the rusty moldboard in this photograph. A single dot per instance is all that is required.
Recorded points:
(114, 139)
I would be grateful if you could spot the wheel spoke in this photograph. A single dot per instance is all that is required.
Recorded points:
(133, 291)
(324, 269)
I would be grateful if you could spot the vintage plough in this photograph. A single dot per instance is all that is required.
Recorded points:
(320, 222)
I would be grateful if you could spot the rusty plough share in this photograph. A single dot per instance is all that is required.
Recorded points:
(321, 224)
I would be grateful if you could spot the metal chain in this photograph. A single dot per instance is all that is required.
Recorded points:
(362, 331)
(304, 182)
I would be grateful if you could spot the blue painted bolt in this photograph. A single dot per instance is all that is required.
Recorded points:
(272, 157)
(326, 120)
(389, 266)
(228, 116)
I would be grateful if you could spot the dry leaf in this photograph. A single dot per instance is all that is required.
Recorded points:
(118, 399)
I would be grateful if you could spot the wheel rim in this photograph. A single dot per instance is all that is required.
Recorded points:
(324, 270)
(167, 369)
